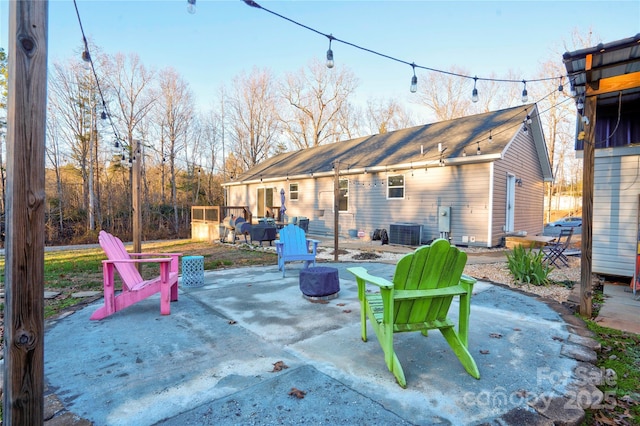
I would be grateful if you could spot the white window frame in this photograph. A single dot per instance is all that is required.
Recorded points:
(390, 187)
(292, 192)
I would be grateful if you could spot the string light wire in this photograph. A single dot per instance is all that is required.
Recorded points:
(95, 76)
(254, 4)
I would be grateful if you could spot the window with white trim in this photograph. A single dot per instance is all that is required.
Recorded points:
(395, 186)
(293, 191)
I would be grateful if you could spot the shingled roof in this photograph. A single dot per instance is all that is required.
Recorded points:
(412, 147)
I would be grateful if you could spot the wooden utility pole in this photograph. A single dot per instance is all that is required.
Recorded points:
(586, 285)
(336, 208)
(24, 266)
(136, 202)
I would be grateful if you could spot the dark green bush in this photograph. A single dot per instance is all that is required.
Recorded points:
(527, 266)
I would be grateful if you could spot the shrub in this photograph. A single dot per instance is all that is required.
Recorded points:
(527, 266)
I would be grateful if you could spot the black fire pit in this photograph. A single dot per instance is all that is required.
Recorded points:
(319, 283)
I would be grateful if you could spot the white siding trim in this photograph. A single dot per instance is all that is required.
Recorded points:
(490, 219)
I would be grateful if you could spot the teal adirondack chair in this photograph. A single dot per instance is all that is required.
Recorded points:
(424, 285)
(293, 245)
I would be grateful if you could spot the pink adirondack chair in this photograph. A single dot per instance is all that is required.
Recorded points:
(134, 287)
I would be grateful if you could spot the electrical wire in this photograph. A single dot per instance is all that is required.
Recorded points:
(254, 4)
(95, 75)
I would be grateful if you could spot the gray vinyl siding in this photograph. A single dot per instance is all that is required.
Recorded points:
(475, 192)
(464, 189)
(520, 160)
(615, 214)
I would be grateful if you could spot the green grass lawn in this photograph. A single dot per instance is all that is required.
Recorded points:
(71, 271)
(620, 358)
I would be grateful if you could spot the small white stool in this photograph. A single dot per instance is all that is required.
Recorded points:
(192, 271)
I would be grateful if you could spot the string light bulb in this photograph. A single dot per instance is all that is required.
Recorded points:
(474, 93)
(103, 115)
(191, 6)
(330, 62)
(86, 59)
(478, 152)
(490, 136)
(525, 95)
(414, 80)
(525, 129)
(560, 86)
(580, 103)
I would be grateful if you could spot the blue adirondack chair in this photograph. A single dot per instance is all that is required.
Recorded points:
(424, 285)
(293, 245)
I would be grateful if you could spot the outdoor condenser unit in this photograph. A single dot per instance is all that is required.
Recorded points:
(406, 234)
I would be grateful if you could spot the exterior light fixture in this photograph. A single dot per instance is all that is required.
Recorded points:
(330, 62)
(525, 95)
(191, 6)
(474, 93)
(414, 80)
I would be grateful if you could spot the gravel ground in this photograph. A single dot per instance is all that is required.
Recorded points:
(563, 278)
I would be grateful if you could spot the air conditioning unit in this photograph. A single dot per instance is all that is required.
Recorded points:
(406, 234)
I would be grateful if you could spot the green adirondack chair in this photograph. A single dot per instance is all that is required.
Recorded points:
(424, 284)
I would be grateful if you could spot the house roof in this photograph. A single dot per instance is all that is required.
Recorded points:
(606, 70)
(414, 147)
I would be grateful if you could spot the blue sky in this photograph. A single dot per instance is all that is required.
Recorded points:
(227, 37)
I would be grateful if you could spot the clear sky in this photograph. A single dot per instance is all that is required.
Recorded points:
(226, 37)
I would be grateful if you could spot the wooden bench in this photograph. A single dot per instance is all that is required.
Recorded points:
(134, 287)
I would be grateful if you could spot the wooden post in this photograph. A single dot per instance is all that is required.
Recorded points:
(136, 202)
(587, 206)
(24, 248)
(336, 208)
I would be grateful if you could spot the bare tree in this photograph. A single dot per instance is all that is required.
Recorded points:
(448, 95)
(54, 157)
(348, 123)
(131, 84)
(73, 96)
(212, 129)
(387, 115)
(176, 109)
(316, 95)
(253, 117)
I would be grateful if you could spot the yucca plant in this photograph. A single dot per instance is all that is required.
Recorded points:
(527, 266)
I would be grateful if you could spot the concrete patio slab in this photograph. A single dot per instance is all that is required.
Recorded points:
(211, 361)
